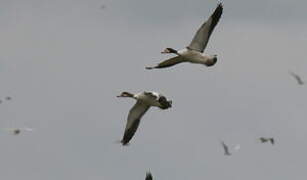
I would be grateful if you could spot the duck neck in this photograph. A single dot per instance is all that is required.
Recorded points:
(171, 50)
(126, 94)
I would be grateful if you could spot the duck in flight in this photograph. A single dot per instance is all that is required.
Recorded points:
(17, 131)
(193, 52)
(144, 101)
(264, 140)
(226, 148)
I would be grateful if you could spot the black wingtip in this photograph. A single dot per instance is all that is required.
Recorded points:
(124, 142)
(218, 10)
(220, 6)
(216, 16)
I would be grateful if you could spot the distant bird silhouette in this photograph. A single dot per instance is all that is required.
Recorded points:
(17, 131)
(226, 149)
(297, 77)
(148, 176)
(264, 140)
(8, 98)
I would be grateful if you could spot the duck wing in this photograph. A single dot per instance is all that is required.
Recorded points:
(272, 141)
(263, 140)
(202, 35)
(134, 118)
(169, 62)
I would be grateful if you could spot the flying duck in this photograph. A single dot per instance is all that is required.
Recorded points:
(148, 176)
(264, 140)
(17, 131)
(193, 52)
(144, 101)
(227, 151)
(297, 78)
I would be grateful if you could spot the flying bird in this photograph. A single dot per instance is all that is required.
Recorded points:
(264, 140)
(226, 149)
(148, 176)
(144, 101)
(193, 52)
(297, 78)
(17, 131)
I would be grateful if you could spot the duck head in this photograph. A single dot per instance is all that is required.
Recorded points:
(125, 94)
(169, 50)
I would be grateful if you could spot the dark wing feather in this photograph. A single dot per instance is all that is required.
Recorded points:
(202, 35)
(134, 117)
(272, 141)
(226, 151)
(169, 62)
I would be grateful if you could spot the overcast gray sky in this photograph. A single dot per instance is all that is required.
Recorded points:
(64, 61)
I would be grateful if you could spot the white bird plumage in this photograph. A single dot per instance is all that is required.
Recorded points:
(193, 52)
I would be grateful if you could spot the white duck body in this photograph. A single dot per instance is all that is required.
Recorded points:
(195, 57)
(149, 98)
